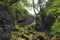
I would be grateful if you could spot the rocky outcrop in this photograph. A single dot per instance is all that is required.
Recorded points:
(6, 22)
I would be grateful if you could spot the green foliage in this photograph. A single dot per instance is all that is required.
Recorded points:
(54, 9)
(17, 6)
(55, 28)
(54, 6)
(26, 3)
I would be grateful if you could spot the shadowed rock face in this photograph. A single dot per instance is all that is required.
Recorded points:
(6, 23)
(26, 19)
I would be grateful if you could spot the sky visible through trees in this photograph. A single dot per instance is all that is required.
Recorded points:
(30, 10)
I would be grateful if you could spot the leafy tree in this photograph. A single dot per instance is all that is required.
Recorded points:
(14, 17)
(47, 14)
